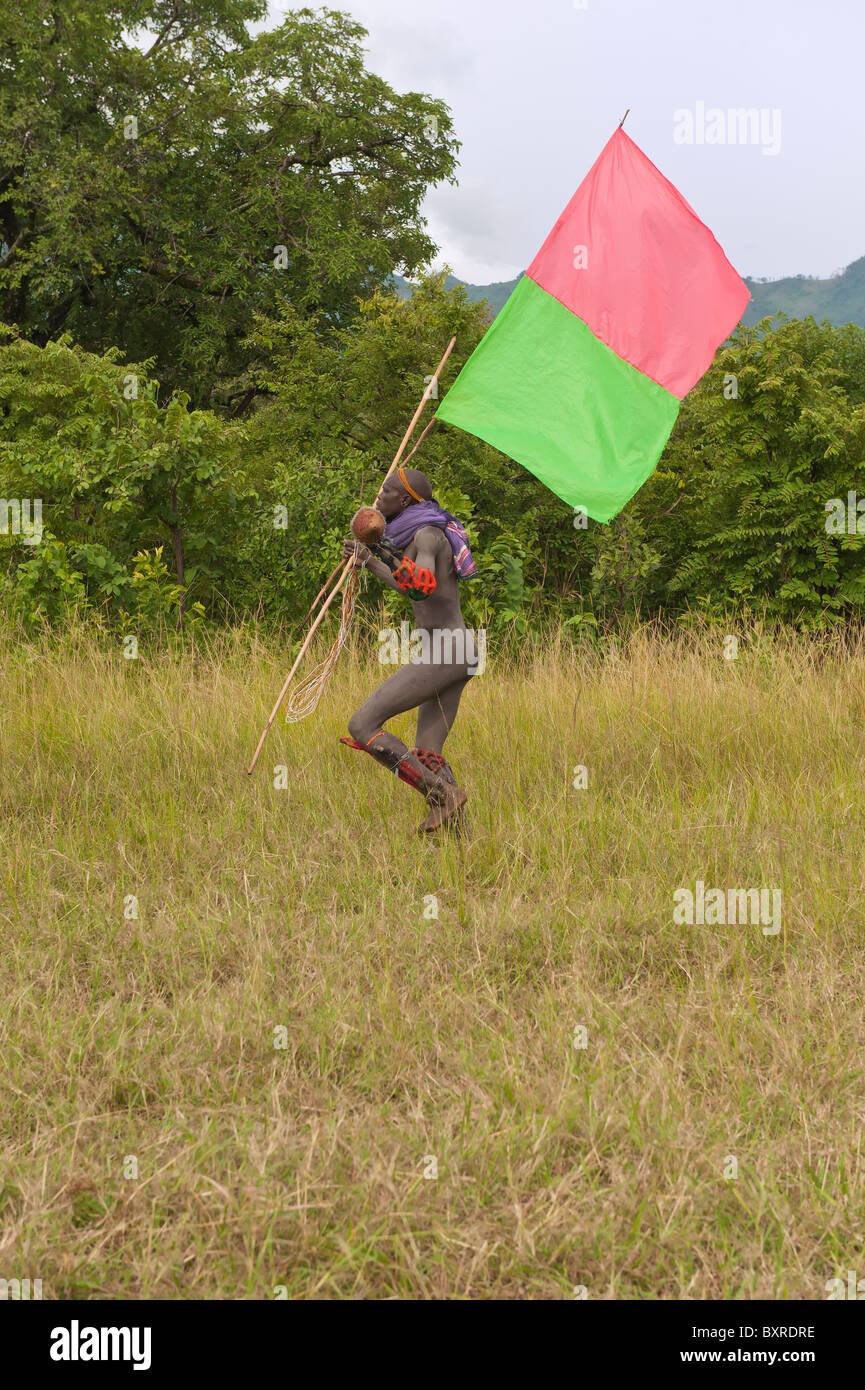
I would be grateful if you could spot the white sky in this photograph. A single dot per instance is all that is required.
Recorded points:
(536, 87)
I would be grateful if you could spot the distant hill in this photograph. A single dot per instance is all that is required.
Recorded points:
(840, 299)
(496, 293)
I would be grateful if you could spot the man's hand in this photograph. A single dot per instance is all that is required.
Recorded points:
(353, 550)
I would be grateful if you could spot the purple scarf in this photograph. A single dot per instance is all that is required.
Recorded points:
(402, 529)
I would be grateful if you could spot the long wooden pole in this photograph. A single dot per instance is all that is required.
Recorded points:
(422, 438)
(423, 400)
(322, 591)
(301, 654)
(350, 563)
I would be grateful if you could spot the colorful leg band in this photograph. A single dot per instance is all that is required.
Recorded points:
(405, 773)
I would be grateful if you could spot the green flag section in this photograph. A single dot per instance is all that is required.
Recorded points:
(545, 391)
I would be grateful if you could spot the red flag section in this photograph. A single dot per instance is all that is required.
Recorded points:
(631, 258)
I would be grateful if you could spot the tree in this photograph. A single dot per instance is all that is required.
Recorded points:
(125, 486)
(156, 195)
(737, 508)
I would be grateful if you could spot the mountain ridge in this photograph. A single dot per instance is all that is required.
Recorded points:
(840, 298)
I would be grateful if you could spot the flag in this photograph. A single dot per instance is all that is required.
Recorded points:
(580, 375)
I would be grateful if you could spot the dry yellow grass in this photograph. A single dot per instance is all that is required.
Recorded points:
(409, 1037)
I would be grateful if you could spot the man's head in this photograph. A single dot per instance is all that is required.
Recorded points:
(394, 496)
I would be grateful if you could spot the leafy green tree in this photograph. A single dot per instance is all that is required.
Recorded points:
(165, 175)
(118, 478)
(774, 430)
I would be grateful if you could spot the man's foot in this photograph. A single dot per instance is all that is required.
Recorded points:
(445, 800)
(449, 813)
(426, 771)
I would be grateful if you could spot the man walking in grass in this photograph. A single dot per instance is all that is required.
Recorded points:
(436, 557)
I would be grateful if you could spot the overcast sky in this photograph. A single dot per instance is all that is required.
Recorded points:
(536, 87)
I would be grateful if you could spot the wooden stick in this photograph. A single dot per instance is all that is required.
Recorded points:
(432, 422)
(322, 591)
(301, 654)
(423, 400)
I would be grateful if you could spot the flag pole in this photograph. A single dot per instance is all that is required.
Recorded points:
(423, 400)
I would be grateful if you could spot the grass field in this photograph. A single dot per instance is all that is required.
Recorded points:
(297, 1158)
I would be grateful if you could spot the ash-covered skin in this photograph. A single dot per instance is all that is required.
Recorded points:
(435, 687)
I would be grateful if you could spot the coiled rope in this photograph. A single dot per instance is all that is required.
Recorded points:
(303, 699)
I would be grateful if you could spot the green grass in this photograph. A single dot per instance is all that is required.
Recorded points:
(408, 1036)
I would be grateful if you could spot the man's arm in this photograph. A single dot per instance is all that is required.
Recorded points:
(362, 555)
(431, 544)
(382, 573)
(428, 540)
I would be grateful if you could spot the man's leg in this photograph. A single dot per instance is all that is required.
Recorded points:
(436, 716)
(407, 689)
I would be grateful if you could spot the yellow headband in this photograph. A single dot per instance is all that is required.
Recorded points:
(407, 485)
